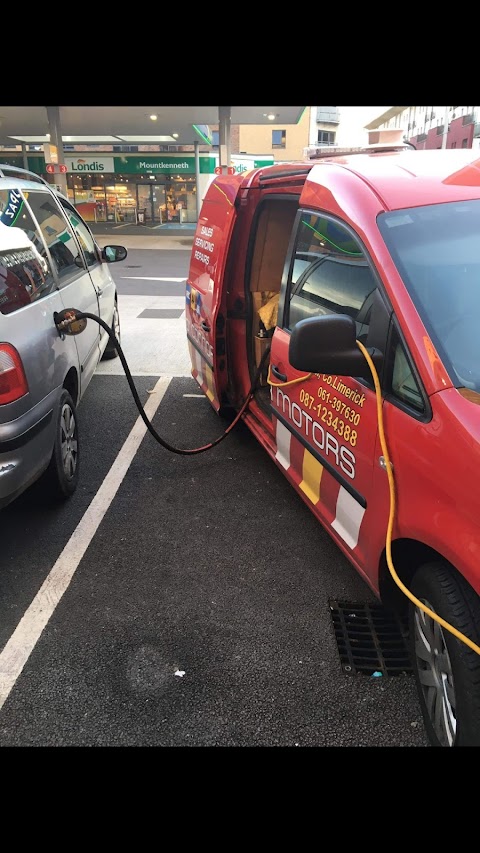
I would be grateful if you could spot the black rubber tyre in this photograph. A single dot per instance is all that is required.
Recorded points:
(447, 671)
(61, 476)
(110, 351)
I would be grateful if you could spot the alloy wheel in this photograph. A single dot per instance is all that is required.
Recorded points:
(68, 441)
(435, 674)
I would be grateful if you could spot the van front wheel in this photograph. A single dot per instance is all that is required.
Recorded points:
(447, 671)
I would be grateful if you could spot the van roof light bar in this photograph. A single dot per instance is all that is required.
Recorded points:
(391, 139)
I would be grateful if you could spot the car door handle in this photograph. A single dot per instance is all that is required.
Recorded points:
(276, 372)
(205, 326)
(99, 291)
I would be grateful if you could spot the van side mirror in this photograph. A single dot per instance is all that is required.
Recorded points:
(328, 344)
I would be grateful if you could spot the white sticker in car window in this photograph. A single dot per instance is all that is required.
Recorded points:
(404, 219)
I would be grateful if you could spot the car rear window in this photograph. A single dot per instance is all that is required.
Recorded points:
(25, 270)
(22, 279)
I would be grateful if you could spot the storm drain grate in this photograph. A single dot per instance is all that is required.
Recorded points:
(370, 640)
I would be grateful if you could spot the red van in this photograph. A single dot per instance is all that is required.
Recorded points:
(357, 278)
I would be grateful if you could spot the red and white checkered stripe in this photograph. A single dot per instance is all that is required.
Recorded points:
(339, 507)
(203, 374)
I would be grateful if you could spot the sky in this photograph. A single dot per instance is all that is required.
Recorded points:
(352, 121)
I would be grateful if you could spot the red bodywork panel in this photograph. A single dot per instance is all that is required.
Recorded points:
(205, 300)
(323, 430)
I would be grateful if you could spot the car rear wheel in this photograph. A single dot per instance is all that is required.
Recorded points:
(61, 477)
(447, 671)
(110, 350)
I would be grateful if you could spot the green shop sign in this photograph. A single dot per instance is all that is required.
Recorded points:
(158, 165)
(35, 164)
(181, 164)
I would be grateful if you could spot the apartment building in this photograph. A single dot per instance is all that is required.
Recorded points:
(433, 127)
(319, 127)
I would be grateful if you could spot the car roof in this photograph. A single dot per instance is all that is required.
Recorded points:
(14, 176)
(411, 178)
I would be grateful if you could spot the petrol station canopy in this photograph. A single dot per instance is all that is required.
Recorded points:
(124, 125)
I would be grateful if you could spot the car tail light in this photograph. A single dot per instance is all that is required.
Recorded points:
(13, 382)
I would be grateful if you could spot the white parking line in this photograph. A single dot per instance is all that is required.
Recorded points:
(151, 278)
(22, 642)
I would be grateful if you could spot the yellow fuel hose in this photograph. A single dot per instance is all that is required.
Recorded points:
(391, 483)
(388, 542)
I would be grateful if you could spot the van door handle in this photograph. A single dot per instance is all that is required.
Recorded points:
(205, 326)
(99, 291)
(276, 372)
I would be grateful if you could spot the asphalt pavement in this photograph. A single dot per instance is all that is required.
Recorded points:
(199, 611)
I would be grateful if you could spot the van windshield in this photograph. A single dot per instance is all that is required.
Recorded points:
(437, 252)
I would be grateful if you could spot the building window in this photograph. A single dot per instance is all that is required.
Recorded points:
(215, 138)
(464, 143)
(279, 138)
(326, 137)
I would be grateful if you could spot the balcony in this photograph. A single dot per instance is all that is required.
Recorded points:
(328, 115)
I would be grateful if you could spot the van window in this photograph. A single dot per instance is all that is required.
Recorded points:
(401, 381)
(437, 252)
(330, 274)
(58, 235)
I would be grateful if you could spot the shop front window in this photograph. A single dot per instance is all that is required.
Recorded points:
(151, 201)
(87, 193)
(121, 202)
(181, 201)
(154, 199)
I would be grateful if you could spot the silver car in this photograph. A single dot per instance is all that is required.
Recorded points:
(49, 261)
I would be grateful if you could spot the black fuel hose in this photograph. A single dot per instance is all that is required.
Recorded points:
(63, 320)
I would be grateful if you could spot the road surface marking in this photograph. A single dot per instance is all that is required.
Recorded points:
(22, 642)
(151, 278)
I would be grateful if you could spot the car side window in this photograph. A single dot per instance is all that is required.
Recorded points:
(330, 274)
(84, 236)
(35, 277)
(401, 380)
(59, 237)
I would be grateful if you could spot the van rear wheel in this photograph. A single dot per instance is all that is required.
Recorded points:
(61, 476)
(447, 671)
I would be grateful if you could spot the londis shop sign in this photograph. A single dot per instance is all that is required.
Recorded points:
(181, 164)
(90, 165)
(240, 163)
(160, 164)
(244, 164)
